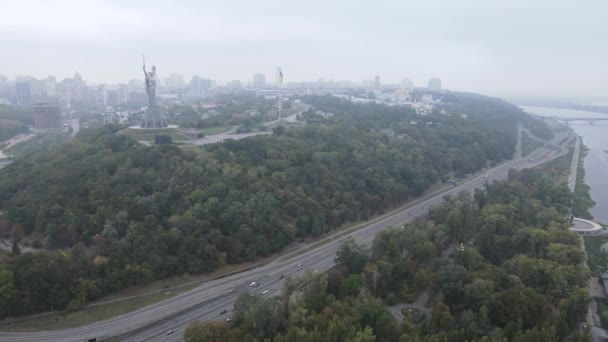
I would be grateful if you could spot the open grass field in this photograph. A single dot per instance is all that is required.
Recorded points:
(216, 130)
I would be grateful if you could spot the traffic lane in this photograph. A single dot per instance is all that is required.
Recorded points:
(272, 282)
(212, 311)
(262, 279)
(274, 286)
(150, 313)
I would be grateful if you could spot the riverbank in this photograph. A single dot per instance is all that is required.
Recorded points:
(582, 201)
(595, 159)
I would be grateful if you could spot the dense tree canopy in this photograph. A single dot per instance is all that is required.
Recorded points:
(116, 213)
(535, 292)
(13, 121)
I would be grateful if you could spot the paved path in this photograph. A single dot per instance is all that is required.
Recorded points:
(419, 304)
(574, 165)
(13, 141)
(518, 144)
(221, 137)
(8, 247)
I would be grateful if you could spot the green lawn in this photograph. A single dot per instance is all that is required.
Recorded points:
(216, 130)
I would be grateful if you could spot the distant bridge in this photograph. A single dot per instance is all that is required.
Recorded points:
(591, 121)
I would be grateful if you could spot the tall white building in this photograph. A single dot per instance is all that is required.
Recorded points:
(51, 86)
(101, 96)
(259, 81)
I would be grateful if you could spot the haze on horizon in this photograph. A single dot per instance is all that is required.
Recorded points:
(514, 48)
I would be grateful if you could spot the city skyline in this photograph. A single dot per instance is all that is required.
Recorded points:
(491, 48)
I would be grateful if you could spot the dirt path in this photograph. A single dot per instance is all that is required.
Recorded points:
(13, 141)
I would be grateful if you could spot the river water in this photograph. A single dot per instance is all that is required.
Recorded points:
(595, 138)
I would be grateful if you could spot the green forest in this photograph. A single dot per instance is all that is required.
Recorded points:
(14, 121)
(499, 265)
(111, 213)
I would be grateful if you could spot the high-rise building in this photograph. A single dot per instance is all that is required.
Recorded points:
(193, 94)
(377, 82)
(122, 94)
(434, 84)
(101, 96)
(174, 82)
(24, 94)
(259, 81)
(51, 86)
(207, 83)
(235, 84)
(136, 85)
(110, 118)
(195, 82)
(47, 116)
(78, 78)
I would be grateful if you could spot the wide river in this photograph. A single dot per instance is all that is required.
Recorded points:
(595, 137)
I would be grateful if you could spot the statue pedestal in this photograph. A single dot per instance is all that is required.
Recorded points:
(153, 118)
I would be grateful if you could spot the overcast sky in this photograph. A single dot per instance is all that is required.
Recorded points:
(495, 47)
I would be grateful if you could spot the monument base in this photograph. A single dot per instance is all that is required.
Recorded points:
(153, 118)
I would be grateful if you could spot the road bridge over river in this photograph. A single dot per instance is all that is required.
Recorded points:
(591, 121)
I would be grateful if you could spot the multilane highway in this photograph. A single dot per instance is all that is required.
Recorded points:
(208, 301)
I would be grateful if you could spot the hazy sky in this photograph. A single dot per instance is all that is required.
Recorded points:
(497, 47)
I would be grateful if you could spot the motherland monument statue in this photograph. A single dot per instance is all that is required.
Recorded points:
(152, 117)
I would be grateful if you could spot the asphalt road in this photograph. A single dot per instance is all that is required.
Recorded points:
(206, 302)
(231, 134)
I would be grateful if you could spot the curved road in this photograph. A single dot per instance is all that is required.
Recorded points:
(206, 302)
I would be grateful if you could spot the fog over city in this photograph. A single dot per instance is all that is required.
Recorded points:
(503, 48)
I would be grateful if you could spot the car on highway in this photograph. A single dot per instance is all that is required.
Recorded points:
(254, 284)
(228, 320)
(265, 292)
(223, 311)
(300, 265)
(170, 331)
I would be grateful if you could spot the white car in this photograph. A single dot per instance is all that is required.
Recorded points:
(254, 284)
(300, 265)
(170, 331)
(265, 292)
